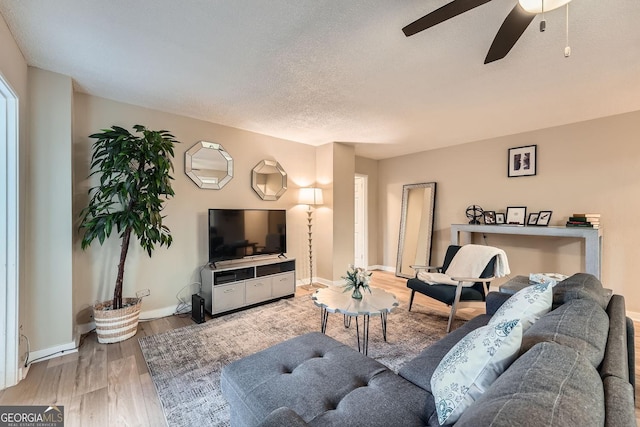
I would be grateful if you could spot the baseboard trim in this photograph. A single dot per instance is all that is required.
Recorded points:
(52, 352)
(633, 315)
(158, 313)
(382, 268)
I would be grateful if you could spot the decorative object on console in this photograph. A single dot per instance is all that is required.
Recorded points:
(533, 218)
(135, 180)
(500, 218)
(357, 278)
(269, 180)
(208, 165)
(584, 220)
(544, 217)
(489, 217)
(474, 213)
(522, 161)
(516, 215)
(312, 197)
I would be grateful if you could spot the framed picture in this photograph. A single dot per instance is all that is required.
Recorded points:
(522, 161)
(516, 215)
(500, 218)
(543, 218)
(489, 217)
(533, 218)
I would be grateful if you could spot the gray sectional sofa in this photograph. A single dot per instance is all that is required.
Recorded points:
(575, 368)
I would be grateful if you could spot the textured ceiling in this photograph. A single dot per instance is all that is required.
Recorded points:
(317, 71)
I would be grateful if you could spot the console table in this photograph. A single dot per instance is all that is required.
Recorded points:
(592, 238)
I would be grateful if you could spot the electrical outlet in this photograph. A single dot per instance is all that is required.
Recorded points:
(143, 293)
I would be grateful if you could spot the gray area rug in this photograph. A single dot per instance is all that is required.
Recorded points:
(185, 363)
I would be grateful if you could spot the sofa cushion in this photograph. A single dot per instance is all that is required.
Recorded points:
(580, 324)
(616, 361)
(419, 370)
(528, 304)
(550, 385)
(579, 286)
(619, 402)
(472, 365)
(320, 378)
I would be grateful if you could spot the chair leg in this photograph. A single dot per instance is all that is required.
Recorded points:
(413, 293)
(454, 306)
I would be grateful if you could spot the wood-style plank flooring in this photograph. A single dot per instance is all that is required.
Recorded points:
(109, 385)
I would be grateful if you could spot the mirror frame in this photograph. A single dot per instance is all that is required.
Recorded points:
(188, 169)
(403, 239)
(254, 180)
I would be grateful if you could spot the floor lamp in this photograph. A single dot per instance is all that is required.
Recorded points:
(311, 197)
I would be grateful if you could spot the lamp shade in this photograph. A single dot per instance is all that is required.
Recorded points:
(535, 6)
(310, 196)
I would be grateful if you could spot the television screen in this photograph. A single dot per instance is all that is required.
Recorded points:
(240, 233)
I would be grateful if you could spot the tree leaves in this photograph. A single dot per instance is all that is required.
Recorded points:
(134, 181)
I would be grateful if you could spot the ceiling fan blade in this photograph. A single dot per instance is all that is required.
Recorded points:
(448, 11)
(512, 28)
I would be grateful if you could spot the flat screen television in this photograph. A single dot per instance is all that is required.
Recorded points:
(241, 233)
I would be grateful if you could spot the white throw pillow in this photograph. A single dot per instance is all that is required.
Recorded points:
(472, 365)
(528, 304)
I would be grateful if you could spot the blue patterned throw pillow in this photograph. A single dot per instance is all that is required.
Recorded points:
(528, 305)
(472, 365)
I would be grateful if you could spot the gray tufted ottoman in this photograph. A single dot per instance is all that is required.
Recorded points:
(325, 382)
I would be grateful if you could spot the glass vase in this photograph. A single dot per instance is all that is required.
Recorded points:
(356, 293)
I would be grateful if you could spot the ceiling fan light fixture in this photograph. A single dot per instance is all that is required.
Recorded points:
(535, 6)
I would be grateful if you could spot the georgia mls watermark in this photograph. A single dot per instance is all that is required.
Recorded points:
(31, 416)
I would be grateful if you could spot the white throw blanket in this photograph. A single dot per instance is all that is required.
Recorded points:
(469, 261)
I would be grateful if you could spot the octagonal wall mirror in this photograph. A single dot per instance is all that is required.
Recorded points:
(269, 180)
(208, 165)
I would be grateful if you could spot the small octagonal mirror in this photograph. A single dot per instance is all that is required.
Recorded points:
(269, 180)
(208, 165)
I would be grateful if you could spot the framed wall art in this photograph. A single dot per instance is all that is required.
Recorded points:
(522, 161)
(500, 218)
(516, 215)
(533, 218)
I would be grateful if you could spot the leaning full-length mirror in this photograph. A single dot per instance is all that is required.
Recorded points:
(416, 227)
(208, 165)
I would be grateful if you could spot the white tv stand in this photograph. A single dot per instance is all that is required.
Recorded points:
(237, 285)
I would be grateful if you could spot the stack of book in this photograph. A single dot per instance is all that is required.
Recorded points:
(584, 220)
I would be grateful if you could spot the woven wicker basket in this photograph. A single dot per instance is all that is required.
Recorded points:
(117, 325)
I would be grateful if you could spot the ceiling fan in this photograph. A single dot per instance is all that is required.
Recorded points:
(512, 28)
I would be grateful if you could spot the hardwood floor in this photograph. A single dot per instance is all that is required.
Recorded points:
(108, 385)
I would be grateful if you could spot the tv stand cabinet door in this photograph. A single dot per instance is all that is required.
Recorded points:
(283, 284)
(257, 290)
(228, 297)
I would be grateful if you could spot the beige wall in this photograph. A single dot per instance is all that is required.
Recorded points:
(343, 209)
(176, 270)
(49, 273)
(333, 236)
(323, 215)
(590, 166)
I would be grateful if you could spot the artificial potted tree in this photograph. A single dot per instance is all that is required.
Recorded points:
(134, 182)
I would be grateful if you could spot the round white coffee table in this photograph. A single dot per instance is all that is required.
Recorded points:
(377, 303)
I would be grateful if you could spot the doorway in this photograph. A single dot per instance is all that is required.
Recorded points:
(8, 236)
(360, 225)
